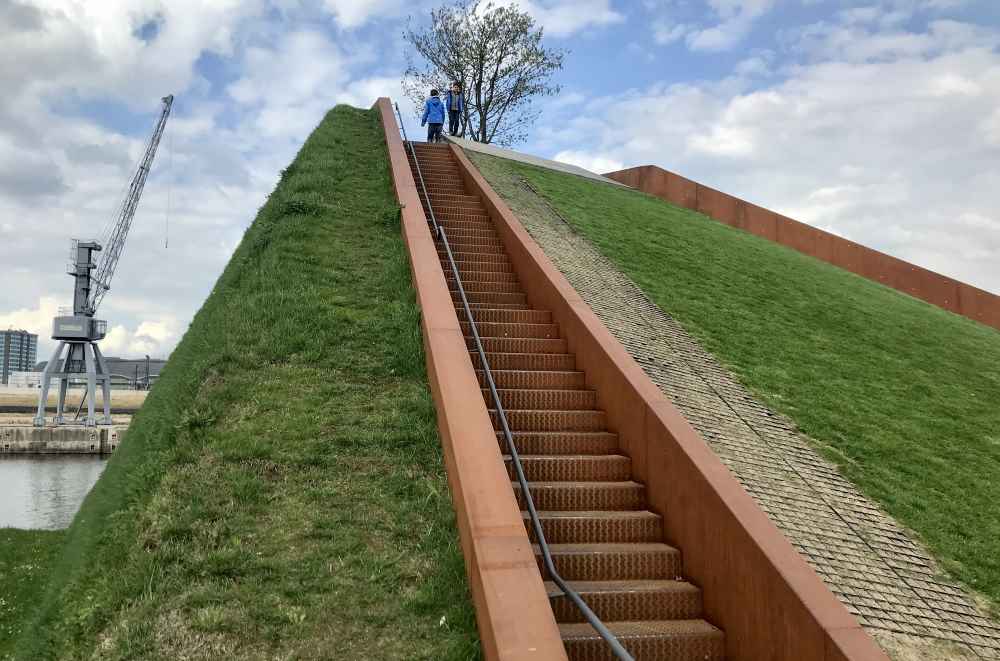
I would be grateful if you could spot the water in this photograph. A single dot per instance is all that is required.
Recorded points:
(45, 492)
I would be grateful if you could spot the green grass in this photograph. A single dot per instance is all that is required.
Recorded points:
(903, 396)
(281, 494)
(26, 557)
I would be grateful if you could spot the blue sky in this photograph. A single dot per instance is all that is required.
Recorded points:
(875, 119)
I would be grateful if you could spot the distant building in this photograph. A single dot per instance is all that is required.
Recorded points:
(125, 372)
(25, 380)
(18, 352)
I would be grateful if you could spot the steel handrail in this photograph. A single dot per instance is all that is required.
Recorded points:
(616, 647)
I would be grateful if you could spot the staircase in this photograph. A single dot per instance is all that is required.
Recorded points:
(604, 541)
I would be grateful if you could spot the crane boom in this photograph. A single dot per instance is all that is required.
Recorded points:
(105, 270)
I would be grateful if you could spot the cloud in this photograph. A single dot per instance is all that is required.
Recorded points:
(72, 131)
(667, 32)
(150, 338)
(564, 18)
(895, 148)
(354, 13)
(594, 163)
(737, 19)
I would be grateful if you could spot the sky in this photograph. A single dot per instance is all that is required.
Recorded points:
(877, 120)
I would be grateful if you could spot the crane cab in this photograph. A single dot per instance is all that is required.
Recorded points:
(79, 328)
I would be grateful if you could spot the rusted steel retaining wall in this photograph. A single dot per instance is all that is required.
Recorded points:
(757, 588)
(934, 288)
(513, 614)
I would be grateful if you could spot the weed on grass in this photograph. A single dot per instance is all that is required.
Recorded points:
(903, 396)
(282, 492)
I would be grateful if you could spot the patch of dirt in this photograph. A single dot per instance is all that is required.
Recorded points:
(901, 647)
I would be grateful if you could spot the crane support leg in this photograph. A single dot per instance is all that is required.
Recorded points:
(88, 358)
(43, 396)
(61, 402)
(102, 369)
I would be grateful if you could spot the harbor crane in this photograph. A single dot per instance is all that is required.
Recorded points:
(79, 331)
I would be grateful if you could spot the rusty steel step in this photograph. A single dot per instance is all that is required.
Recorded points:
(486, 232)
(489, 297)
(450, 226)
(531, 420)
(487, 242)
(597, 526)
(500, 316)
(517, 344)
(594, 468)
(478, 285)
(449, 198)
(488, 329)
(561, 442)
(472, 268)
(526, 361)
(467, 207)
(583, 495)
(544, 379)
(482, 277)
(618, 601)
(613, 562)
(523, 307)
(455, 215)
(473, 256)
(674, 640)
(563, 399)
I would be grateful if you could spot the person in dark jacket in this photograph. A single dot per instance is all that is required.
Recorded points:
(455, 104)
(433, 117)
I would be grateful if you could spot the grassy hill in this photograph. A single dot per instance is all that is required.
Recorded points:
(903, 396)
(282, 493)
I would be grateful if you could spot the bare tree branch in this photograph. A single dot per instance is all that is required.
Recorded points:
(496, 53)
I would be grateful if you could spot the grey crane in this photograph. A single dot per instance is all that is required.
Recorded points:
(79, 332)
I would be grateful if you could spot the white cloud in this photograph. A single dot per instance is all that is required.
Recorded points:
(354, 13)
(666, 32)
(562, 18)
(737, 19)
(152, 338)
(62, 174)
(593, 162)
(895, 149)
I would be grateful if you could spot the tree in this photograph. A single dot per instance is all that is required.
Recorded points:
(496, 53)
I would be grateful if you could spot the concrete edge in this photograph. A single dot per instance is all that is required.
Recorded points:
(537, 161)
(757, 588)
(513, 614)
(931, 287)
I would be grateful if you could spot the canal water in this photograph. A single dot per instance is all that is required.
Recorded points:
(45, 491)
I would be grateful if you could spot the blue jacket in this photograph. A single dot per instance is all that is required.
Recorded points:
(433, 111)
(454, 101)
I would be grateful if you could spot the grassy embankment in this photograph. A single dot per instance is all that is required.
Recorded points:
(281, 494)
(903, 396)
(26, 557)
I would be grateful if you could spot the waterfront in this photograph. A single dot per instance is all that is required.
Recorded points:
(45, 491)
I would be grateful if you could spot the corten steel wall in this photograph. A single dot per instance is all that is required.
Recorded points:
(756, 587)
(512, 608)
(918, 282)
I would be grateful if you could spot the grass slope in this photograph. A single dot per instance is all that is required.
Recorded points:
(26, 557)
(282, 493)
(903, 396)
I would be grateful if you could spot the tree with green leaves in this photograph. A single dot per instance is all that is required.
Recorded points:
(495, 52)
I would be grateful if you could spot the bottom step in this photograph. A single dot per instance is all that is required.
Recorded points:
(676, 640)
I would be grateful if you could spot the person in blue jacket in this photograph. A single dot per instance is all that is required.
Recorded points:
(455, 104)
(433, 117)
